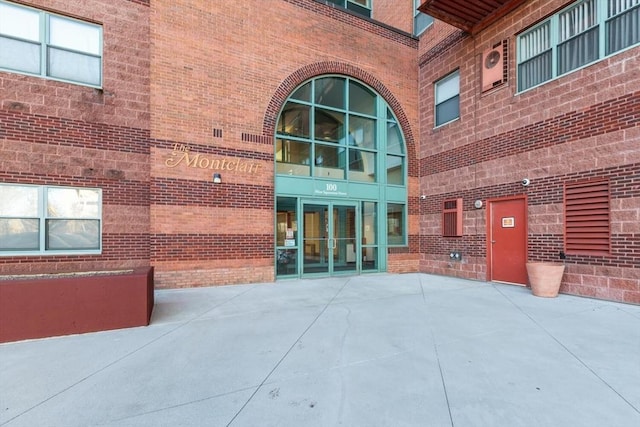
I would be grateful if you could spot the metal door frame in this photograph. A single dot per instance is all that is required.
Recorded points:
(329, 204)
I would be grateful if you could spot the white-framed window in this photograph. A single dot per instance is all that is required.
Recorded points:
(50, 220)
(447, 99)
(583, 33)
(421, 21)
(48, 45)
(362, 7)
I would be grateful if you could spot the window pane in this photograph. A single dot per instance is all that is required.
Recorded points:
(420, 20)
(329, 161)
(619, 6)
(19, 234)
(286, 261)
(534, 71)
(74, 35)
(448, 87)
(362, 166)
(18, 201)
(73, 234)
(330, 92)
(394, 139)
(534, 42)
(19, 56)
(624, 30)
(19, 22)
(74, 66)
(448, 111)
(303, 93)
(293, 157)
(577, 20)
(578, 51)
(294, 120)
(73, 203)
(356, 7)
(395, 224)
(329, 126)
(362, 132)
(370, 258)
(369, 223)
(286, 221)
(395, 170)
(361, 99)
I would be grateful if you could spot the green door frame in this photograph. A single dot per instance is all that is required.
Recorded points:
(333, 239)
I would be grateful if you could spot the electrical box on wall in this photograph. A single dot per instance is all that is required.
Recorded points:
(455, 256)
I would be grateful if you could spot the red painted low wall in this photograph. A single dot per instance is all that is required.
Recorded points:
(46, 307)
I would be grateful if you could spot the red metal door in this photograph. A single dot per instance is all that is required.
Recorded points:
(508, 240)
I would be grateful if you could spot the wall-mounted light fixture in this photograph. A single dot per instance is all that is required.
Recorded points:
(217, 178)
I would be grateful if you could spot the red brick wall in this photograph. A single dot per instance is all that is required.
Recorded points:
(220, 73)
(57, 133)
(395, 13)
(580, 126)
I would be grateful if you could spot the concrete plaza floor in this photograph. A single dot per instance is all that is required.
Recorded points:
(370, 350)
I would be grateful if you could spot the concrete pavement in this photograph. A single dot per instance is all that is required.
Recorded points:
(370, 350)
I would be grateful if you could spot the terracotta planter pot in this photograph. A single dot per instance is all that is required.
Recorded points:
(545, 278)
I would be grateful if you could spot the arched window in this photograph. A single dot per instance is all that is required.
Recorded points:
(337, 128)
(340, 181)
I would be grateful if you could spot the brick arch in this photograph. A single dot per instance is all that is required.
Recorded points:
(332, 67)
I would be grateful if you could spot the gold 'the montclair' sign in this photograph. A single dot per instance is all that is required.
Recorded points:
(182, 155)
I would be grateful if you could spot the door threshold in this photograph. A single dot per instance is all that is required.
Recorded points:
(509, 283)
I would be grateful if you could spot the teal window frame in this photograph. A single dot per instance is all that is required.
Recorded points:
(539, 48)
(49, 51)
(305, 137)
(39, 204)
(394, 238)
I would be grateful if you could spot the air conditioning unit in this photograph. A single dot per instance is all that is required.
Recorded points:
(493, 66)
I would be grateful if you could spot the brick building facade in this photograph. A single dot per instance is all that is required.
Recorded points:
(193, 92)
(578, 128)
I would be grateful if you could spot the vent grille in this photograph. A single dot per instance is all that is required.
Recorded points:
(587, 223)
(452, 218)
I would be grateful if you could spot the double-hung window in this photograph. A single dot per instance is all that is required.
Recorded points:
(447, 98)
(421, 21)
(362, 7)
(48, 45)
(585, 32)
(38, 220)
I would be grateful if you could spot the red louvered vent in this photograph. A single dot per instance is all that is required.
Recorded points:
(452, 218)
(586, 207)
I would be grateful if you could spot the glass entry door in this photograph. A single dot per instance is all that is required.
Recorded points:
(329, 240)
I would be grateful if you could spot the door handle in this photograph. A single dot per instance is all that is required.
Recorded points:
(493, 241)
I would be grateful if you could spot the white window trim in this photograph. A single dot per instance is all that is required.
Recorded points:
(435, 97)
(553, 21)
(43, 217)
(44, 44)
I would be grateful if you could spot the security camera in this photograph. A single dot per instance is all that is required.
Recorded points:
(423, 197)
(526, 182)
